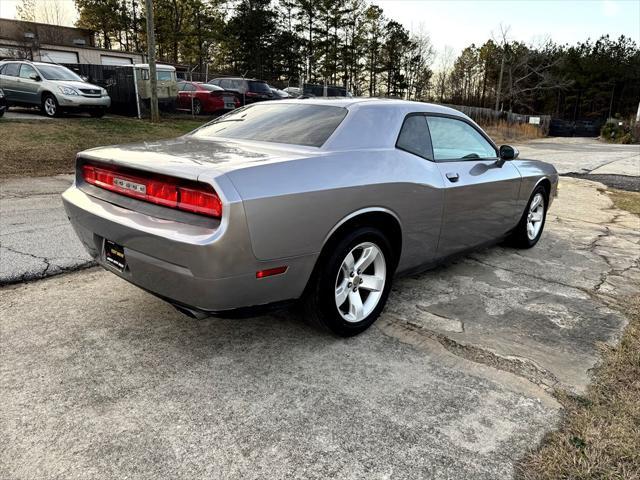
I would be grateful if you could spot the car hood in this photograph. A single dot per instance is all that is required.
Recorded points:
(189, 157)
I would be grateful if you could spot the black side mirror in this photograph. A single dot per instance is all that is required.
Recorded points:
(35, 77)
(507, 152)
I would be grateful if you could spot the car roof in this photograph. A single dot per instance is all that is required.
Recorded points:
(239, 78)
(357, 102)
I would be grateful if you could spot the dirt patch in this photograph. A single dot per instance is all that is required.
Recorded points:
(39, 148)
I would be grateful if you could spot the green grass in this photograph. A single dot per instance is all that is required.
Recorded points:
(49, 147)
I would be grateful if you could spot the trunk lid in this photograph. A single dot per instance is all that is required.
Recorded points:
(188, 157)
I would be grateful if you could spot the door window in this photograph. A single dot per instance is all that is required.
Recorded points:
(11, 69)
(189, 87)
(457, 140)
(27, 70)
(414, 137)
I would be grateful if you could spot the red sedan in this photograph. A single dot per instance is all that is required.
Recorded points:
(205, 98)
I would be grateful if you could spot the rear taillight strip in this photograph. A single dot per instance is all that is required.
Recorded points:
(169, 192)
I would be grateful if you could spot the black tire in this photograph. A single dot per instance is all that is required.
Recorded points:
(98, 113)
(519, 237)
(197, 107)
(2, 112)
(319, 300)
(50, 110)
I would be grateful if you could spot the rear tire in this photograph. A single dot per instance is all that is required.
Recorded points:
(50, 107)
(351, 283)
(197, 107)
(531, 225)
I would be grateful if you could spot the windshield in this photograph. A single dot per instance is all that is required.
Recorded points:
(295, 124)
(56, 72)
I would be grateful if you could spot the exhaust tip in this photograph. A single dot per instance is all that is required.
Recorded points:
(190, 312)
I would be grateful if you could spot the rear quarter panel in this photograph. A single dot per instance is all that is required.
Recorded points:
(291, 207)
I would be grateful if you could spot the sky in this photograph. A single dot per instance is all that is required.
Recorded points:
(458, 23)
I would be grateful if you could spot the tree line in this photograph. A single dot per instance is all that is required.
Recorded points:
(352, 43)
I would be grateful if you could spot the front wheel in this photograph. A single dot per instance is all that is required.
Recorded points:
(50, 106)
(529, 230)
(351, 285)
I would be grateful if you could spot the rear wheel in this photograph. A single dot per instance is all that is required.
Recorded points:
(531, 225)
(197, 107)
(50, 106)
(351, 285)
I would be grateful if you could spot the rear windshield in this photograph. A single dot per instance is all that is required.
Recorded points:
(259, 87)
(295, 124)
(211, 88)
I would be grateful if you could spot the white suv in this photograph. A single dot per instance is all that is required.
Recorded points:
(52, 87)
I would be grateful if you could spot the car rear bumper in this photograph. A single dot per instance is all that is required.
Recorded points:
(206, 269)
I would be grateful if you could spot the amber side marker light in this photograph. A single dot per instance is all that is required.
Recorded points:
(270, 272)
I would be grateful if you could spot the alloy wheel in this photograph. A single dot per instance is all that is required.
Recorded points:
(50, 106)
(535, 216)
(360, 282)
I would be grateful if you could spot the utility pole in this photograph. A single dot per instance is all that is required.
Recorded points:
(153, 78)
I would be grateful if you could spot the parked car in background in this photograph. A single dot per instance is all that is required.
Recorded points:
(201, 97)
(304, 199)
(3, 103)
(166, 80)
(53, 88)
(277, 93)
(293, 92)
(249, 90)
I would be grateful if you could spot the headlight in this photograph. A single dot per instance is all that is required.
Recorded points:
(68, 91)
(103, 92)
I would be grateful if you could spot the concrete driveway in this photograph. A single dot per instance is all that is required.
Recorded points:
(102, 380)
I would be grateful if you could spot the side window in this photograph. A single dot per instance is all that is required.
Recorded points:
(181, 86)
(237, 85)
(11, 69)
(27, 70)
(414, 137)
(215, 82)
(455, 140)
(190, 87)
(224, 83)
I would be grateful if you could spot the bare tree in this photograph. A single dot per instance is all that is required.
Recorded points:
(503, 42)
(445, 62)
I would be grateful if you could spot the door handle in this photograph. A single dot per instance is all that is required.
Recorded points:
(453, 177)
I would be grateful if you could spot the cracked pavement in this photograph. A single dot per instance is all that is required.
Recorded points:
(454, 381)
(36, 239)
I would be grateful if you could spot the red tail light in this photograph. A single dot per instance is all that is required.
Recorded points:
(169, 192)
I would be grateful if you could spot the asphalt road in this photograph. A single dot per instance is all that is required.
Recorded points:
(36, 239)
(102, 380)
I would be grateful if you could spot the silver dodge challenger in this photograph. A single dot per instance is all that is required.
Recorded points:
(320, 200)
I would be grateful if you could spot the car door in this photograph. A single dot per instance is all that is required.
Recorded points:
(27, 85)
(480, 196)
(9, 82)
